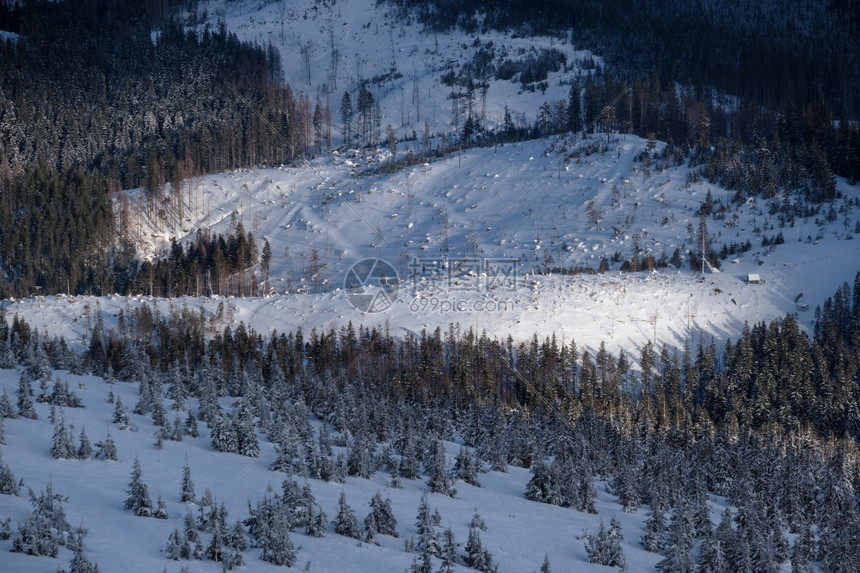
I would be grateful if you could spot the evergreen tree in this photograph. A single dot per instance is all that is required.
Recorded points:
(160, 509)
(465, 467)
(106, 449)
(605, 547)
(421, 564)
(382, 519)
(8, 485)
(25, 402)
(119, 415)
(80, 563)
(476, 556)
(677, 556)
(713, 557)
(449, 551)
(477, 521)
(6, 409)
(346, 523)
(138, 499)
(545, 567)
(45, 528)
(173, 548)
(439, 481)
(85, 450)
(61, 443)
(654, 538)
(186, 490)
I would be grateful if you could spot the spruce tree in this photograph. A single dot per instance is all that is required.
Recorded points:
(138, 499)
(476, 556)
(80, 563)
(25, 402)
(6, 409)
(654, 538)
(449, 551)
(346, 523)
(8, 485)
(381, 516)
(85, 450)
(465, 467)
(61, 443)
(173, 548)
(545, 566)
(106, 448)
(605, 547)
(186, 490)
(439, 481)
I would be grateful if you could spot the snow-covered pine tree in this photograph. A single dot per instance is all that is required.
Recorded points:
(476, 556)
(190, 534)
(605, 547)
(173, 547)
(85, 449)
(25, 401)
(80, 563)
(478, 521)
(106, 449)
(243, 427)
(317, 523)
(8, 485)
(712, 556)
(218, 550)
(274, 538)
(439, 481)
(449, 551)
(421, 563)
(545, 566)
(465, 467)
(346, 523)
(61, 442)
(544, 486)
(160, 509)
(677, 555)
(428, 540)
(45, 528)
(384, 516)
(803, 550)
(224, 438)
(191, 428)
(360, 461)
(654, 538)
(186, 490)
(120, 417)
(138, 499)
(6, 409)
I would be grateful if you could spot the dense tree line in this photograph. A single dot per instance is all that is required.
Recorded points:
(209, 264)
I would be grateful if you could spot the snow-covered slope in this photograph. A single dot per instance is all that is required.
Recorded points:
(332, 47)
(526, 202)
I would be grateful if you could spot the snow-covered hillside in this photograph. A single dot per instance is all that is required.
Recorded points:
(532, 203)
(329, 48)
